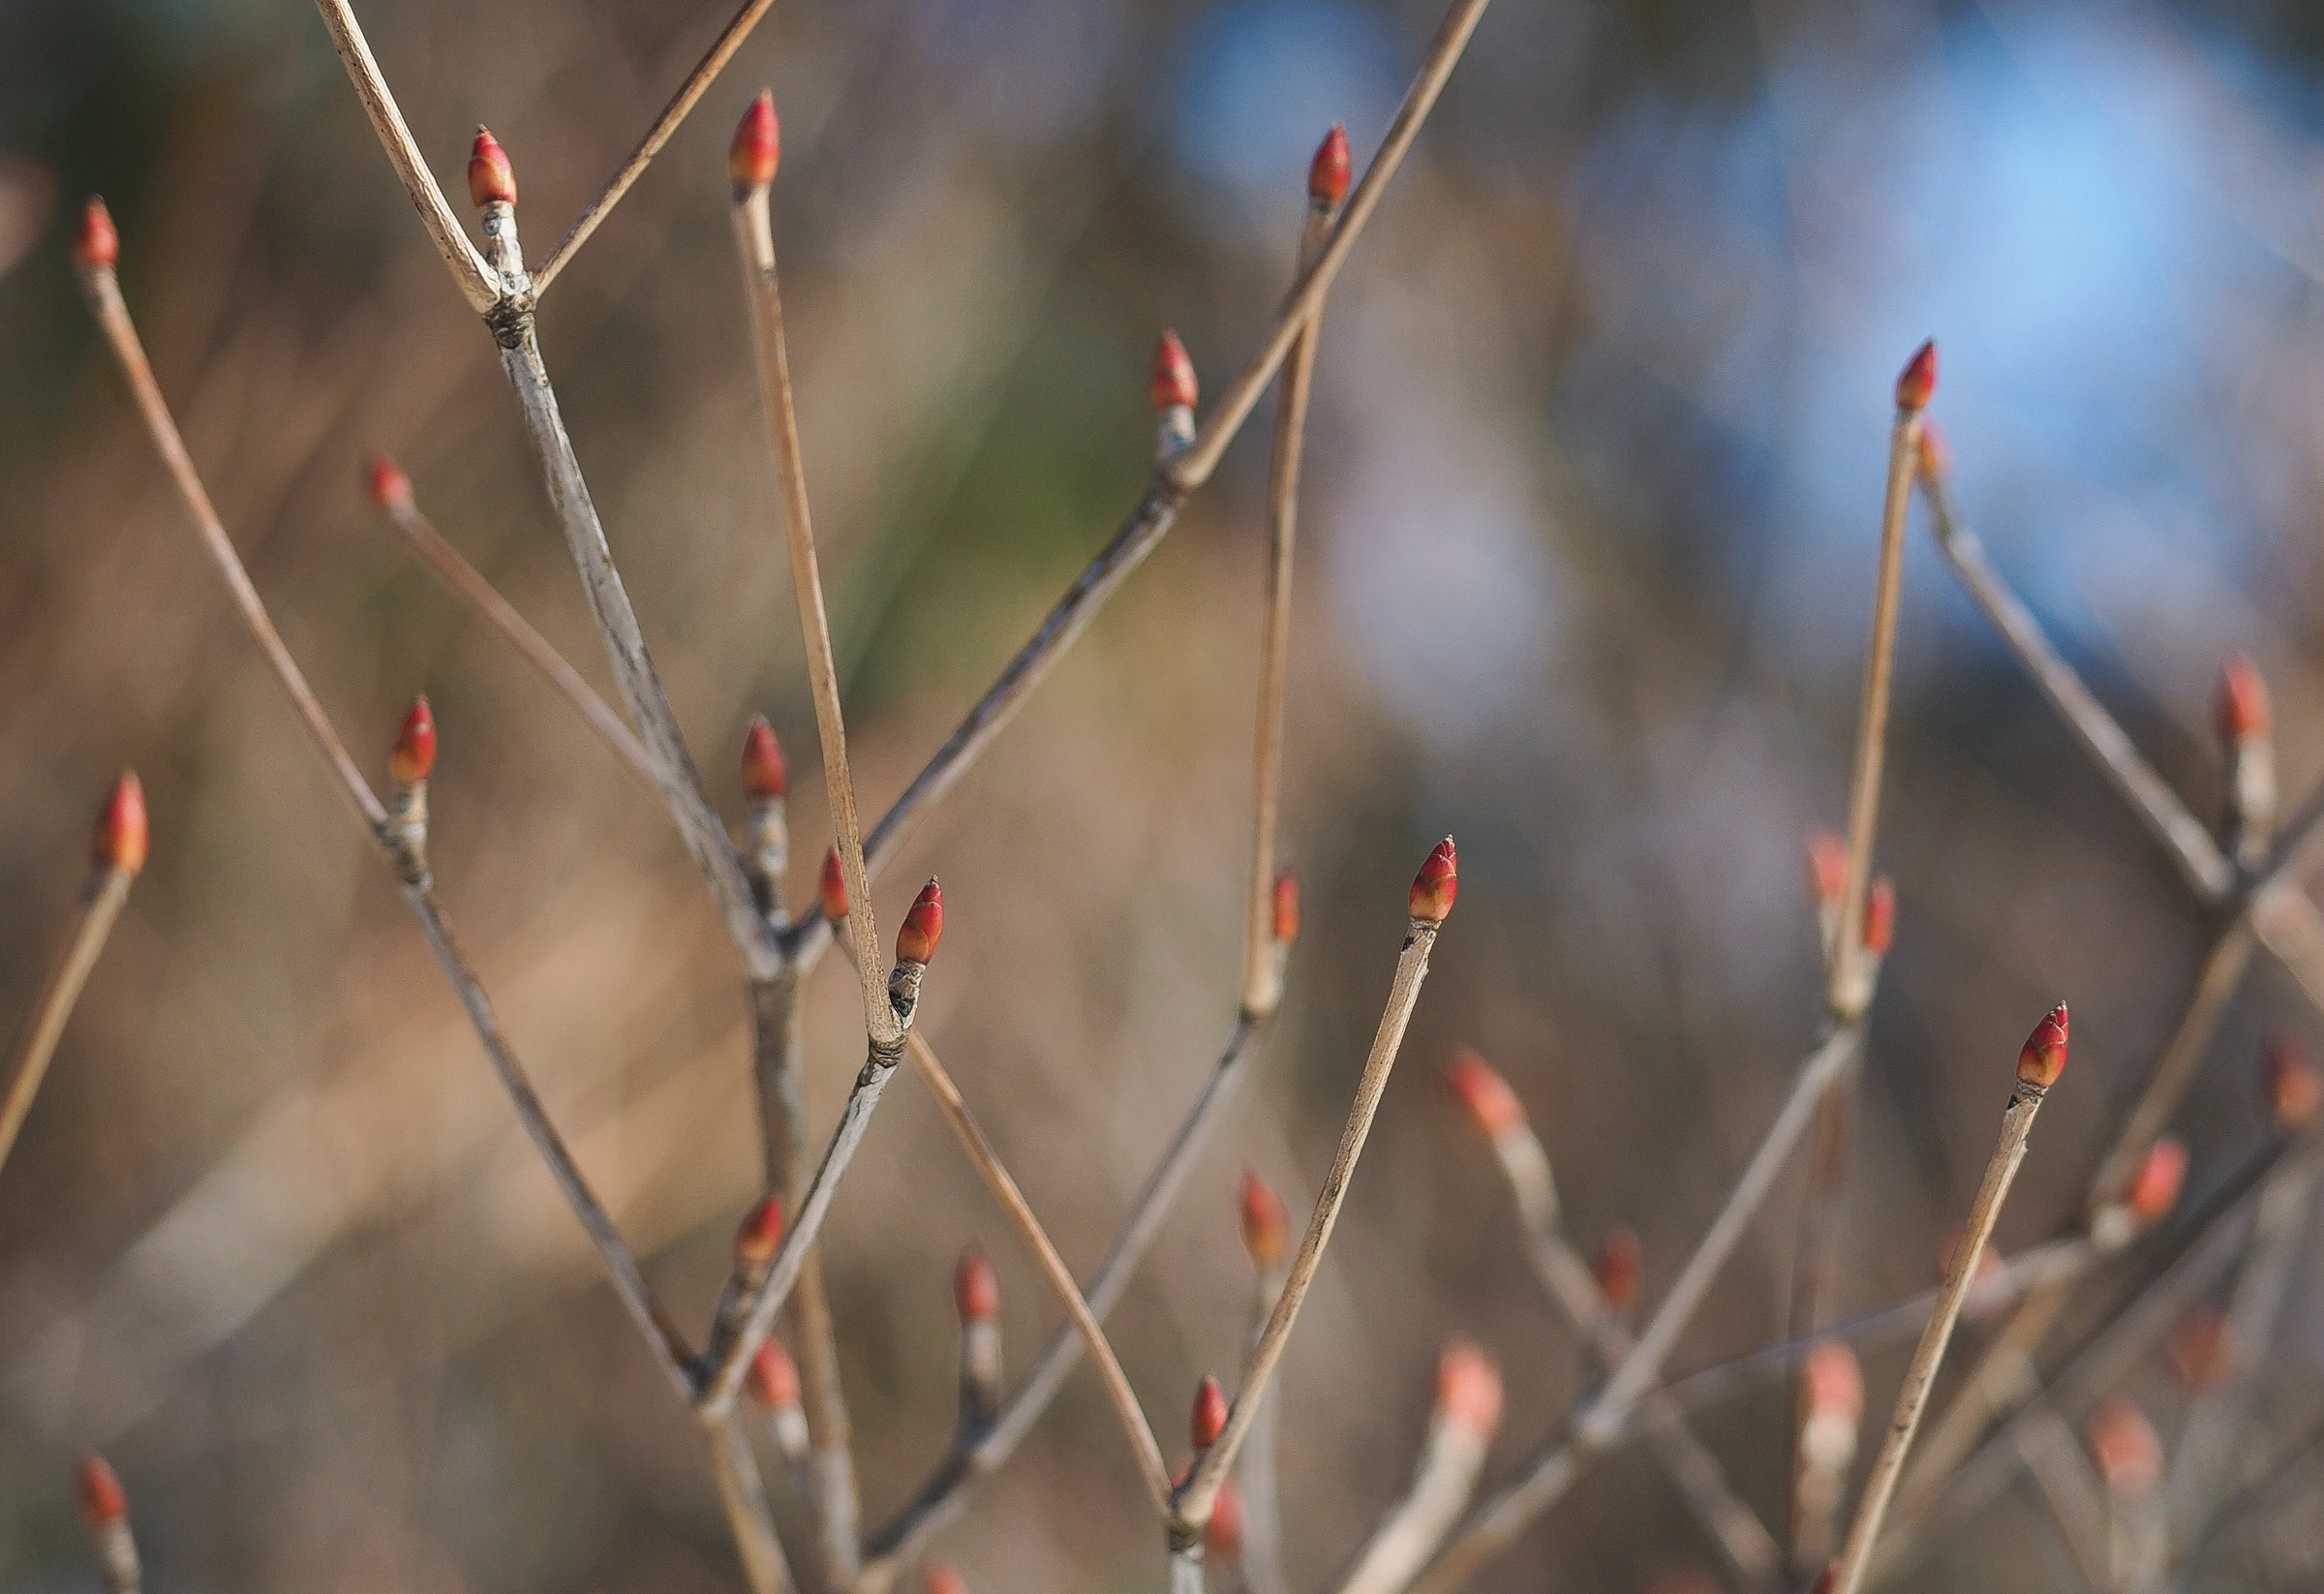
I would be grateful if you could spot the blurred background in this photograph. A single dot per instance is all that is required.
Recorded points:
(1587, 556)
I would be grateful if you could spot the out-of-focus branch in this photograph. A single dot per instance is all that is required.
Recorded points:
(745, 1499)
(1461, 1431)
(1259, 1535)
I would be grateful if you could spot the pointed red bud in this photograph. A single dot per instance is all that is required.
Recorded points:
(1827, 867)
(1222, 1535)
(1265, 1226)
(1879, 917)
(764, 775)
(1436, 885)
(1936, 455)
(1918, 383)
(1286, 907)
(2202, 1347)
(1172, 380)
(833, 887)
(2043, 1058)
(1835, 1383)
(1210, 1417)
(415, 753)
(120, 842)
(2128, 1453)
(774, 1377)
(757, 144)
(1328, 173)
(97, 245)
(940, 1579)
(1468, 1390)
(923, 925)
(2154, 1187)
(2243, 712)
(490, 176)
(1491, 1107)
(976, 1287)
(2295, 1090)
(1617, 1268)
(390, 488)
(760, 1235)
(102, 1502)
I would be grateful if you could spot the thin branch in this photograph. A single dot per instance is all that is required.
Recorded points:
(2248, 1506)
(477, 280)
(1266, 1238)
(1461, 1431)
(705, 73)
(745, 1499)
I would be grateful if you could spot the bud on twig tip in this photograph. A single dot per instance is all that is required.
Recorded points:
(765, 777)
(1286, 907)
(1491, 1107)
(1210, 1417)
(1935, 455)
(2154, 1187)
(1328, 173)
(1172, 380)
(102, 1502)
(2043, 1057)
(390, 488)
(760, 1235)
(773, 1376)
(758, 146)
(1918, 383)
(415, 753)
(491, 179)
(1835, 1381)
(1617, 1268)
(1879, 917)
(120, 842)
(2295, 1089)
(2126, 1449)
(833, 887)
(940, 1579)
(923, 925)
(1468, 1390)
(1265, 1226)
(976, 1286)
(1827, 867)
(2244, 715)
(1436, 885)
(97, 245)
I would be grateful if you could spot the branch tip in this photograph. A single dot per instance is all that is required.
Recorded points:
(1490, 1106)
(2244, 711)
(2295, 1090)
(97, 245)
(491, 179)
(923, 927)
(101, 1500)
(757, 148)
(976, 1286)
(2126, 1449)
(1879, 917)
(389, 487)
(414, 755)
(1286, 924)
(1827, 867)
(1436, 885)
(1918, 383)
(2043, 1057)
(2154, 1188)
(1265, 1226)
(1172, 383)
(1328, 172)
(765, 776)
(1208, 1417)
(120, 839)
(1468, 1390)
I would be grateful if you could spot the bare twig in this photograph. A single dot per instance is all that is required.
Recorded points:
(745, 1499)
(2085, 1521)
(118, 854)
(2039, 1066)
(2288, 1466)
(1267, 1239)
(1461, 1431)
(1431, 899)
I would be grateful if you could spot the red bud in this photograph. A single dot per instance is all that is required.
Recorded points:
(1222, 1535)
(1835, 1383)
(1492, 1106)
(1436, 885)
(2202, 1347)
(2243, 712)
(1918, 383)
(1879, 917)
(415, 753)
(97, 245)
(2128, 1453)
(2043, 1058)
(760, 1234)
(757, 144)
(976, 1287)
(1617, 1268)
(1827, 867)
(2295, 1090)
(1468, 1389)
(390, 488)
(1286, 907)
(764, 775)
(923, 925)
(774, 1377)
(120, 842)
(1209, 1419)
(1266, 1227)
(1935, 459)
(1328, 173)
(2154, 1187)
(490, 176)
(1172, 380)
(940, 1579)
(835, 887)
(102, 1502)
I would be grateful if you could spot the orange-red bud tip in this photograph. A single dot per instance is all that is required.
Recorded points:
(490, 176)
(1210, 1417)
(757, 144)
(1436, 885)
(415, 753)
(97, 245)
(1491, 1107)
(833, 887)
(923, 925)
(940, 1579)
(1936, 455)
(2043, 1058)
(765, 777)
(1265, 1226)
(1172, 380)
(760, 1235)
(1918, 383)
(1617, 1268)
(2243, 712)
(2124, 1445)
(1835, 1381)
(1468, 1389)
(774, 1377)
(1879, 917)
(1328, 173)
(2154, 1187)
(1286, 907)
(390, 488)
(1222, 1535)
(2295, 1089)
(102, 1502)
(2202, 1347)
(976, 1287)
(1827, 867)
(120, 842)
